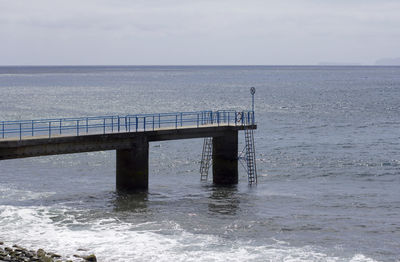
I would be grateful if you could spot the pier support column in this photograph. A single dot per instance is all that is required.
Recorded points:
(133, 166)
(225, 158)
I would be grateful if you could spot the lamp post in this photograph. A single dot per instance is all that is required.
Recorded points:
(252, 92)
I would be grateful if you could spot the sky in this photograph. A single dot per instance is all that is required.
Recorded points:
(198, 32)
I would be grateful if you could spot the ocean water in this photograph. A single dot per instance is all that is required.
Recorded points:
(328, 158)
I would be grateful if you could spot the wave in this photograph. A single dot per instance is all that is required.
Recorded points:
(8, 192)
(112, 240)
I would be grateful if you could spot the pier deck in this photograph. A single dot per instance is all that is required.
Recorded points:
(130, 137)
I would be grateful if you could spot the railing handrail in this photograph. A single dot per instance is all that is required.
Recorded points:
(123, 123)
(106, 116)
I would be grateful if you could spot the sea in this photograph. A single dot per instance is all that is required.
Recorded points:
(327, 151)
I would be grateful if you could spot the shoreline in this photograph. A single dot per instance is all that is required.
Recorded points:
(16, 253)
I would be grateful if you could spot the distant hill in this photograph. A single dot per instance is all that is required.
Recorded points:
(388, 61)
(338, 64)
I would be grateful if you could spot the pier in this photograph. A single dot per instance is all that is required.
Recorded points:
(130, 136)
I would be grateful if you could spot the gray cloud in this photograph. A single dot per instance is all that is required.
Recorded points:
(197, 32)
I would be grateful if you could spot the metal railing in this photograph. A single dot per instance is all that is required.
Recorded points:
(128, 123)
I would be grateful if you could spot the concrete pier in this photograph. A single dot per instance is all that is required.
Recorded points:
(225, 158)
(132, 151)
(133, 166)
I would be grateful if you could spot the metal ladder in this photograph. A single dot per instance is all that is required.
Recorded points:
(206, 158)
(248, 157)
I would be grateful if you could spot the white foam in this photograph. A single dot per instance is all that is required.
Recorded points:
(113, 240)
(361, 258)
(10, 192)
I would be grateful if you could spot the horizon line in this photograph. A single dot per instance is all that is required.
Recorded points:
(198, 65)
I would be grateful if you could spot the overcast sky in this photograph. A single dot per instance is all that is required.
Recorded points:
(197, 32)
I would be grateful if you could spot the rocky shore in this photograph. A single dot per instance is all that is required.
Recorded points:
(20, 254)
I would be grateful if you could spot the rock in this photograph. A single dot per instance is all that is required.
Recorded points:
(29, 254)
(40, 253)
(91, 258)
(47, 259)
(7, 259)
(20, 254)
(1, 243)
(53, 255)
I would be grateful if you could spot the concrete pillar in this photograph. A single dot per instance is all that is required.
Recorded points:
(133, 166)
(225, 158)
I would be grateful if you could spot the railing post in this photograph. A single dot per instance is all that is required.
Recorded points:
(144, 123)
(228, 118)
(129, 124)
(218, 118)
(32, 128)
(112, 124)
(126, 123)
(153, 122)
(198, 119)
(242, 118)
(211, 118)
(77, 127)
(87, 125)
(137, 124)
(176, 121)
(2, 129)
(119, 121)
(60, 125)
(20, 131)
(159, 120)
(49, 129)
(235, 118)
(181, 119)
(104, 125)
